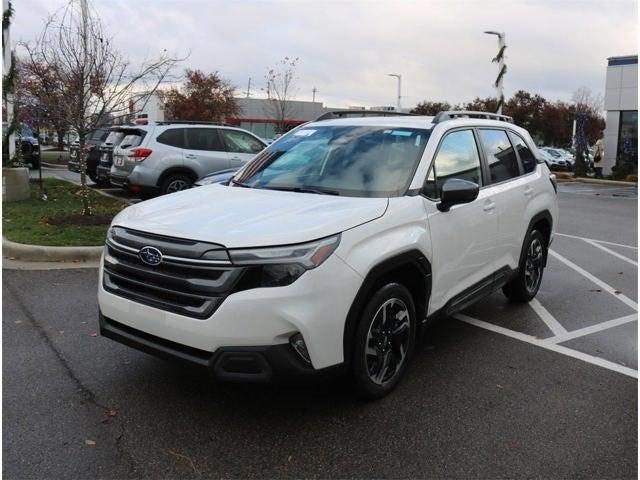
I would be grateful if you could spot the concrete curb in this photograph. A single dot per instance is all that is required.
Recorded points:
(596, 181)
(42, 253)
(53, 165)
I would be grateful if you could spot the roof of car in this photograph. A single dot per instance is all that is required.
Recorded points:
(411, 121)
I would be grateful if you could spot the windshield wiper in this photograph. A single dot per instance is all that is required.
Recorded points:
(318, 190)
(240, 184)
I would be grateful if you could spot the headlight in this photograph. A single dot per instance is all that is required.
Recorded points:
(308, 255)
(203, 181)
(281, 266)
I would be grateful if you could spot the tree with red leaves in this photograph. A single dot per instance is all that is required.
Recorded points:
(203, 97)
(430, 109)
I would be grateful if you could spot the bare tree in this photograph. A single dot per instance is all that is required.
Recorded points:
(42, 98)
(586, 101)
(586, 104)
(280, 91)
(98, 81)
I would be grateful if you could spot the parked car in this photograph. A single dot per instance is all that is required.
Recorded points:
(28, 142)
(105, 150)
(30, 146)
(331, 250)
(170, 156)
(223, 177)
(556, 159)
(92, 142)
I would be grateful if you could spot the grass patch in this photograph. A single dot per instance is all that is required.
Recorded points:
(54, 156)
(58, 220)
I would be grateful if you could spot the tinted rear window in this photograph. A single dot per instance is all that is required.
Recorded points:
(130, 141)
(501, 157)
(99, 134)
(114, 138)
(204, 139)
(527, 159)
(173, 137)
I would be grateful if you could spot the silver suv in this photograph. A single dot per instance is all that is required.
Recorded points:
(169, 156)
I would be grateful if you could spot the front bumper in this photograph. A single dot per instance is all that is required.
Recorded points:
(316, 306)
(256, 364)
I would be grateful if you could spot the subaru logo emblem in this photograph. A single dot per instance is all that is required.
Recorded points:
(150, 255)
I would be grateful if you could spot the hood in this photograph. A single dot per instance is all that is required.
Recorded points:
(249, 217)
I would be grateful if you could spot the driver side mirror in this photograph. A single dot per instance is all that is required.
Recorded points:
(456, 191)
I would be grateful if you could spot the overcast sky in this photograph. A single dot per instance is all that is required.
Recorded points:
(347, 48)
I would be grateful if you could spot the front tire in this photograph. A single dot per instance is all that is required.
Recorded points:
(526, 284)
(384, 341)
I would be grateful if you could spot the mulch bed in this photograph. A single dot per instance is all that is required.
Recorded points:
(78, 219)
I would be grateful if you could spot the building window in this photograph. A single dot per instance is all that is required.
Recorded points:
(628, 139)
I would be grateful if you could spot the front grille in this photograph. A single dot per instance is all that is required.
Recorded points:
(183, 282)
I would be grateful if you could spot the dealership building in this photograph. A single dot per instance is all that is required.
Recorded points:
(621, 105)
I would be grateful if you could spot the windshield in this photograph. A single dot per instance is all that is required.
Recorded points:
(339, 160)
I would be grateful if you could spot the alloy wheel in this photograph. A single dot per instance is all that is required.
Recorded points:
(177, 185)
(387, 341)
(533, 265)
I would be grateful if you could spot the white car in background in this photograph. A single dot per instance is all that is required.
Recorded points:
(556, 158)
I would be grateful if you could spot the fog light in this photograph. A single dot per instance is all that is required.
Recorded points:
(297, 342)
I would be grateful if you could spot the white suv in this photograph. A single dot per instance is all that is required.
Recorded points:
(167, 157)
(331, 250)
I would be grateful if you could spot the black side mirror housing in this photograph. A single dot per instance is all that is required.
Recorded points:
(456, 191)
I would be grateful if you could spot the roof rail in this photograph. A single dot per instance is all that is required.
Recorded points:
(450, 115)
(192, 122)
(360, 113)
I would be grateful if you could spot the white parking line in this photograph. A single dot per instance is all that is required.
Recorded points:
(592, 329)
(547, 318)
(598, 241)
(611, 252)
(601, 362)
(606, 287)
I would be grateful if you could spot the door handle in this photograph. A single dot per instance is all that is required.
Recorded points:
(190, 156)
(236, 158)
(528, 192)
(489, 206)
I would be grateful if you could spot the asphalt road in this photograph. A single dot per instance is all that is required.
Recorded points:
(545, 390)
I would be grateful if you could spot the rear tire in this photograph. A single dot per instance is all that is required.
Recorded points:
(175, 183)
(526, 284)
(384, 341)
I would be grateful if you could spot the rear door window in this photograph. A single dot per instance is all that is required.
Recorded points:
(173, 137)
(240, 142)
(204, 139)
(501, 156)
(527, 159)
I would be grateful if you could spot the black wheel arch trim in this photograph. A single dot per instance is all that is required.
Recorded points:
(413, 258)
(544, 215)
(176, 171)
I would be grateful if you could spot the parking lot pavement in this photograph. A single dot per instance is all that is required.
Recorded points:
(547, 389)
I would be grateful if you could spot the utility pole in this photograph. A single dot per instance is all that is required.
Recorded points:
(249, 88)
(502, 68)
(314, 94)
(399, 77)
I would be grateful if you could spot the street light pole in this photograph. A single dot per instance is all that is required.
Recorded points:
(399, 77)
(502, 68)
